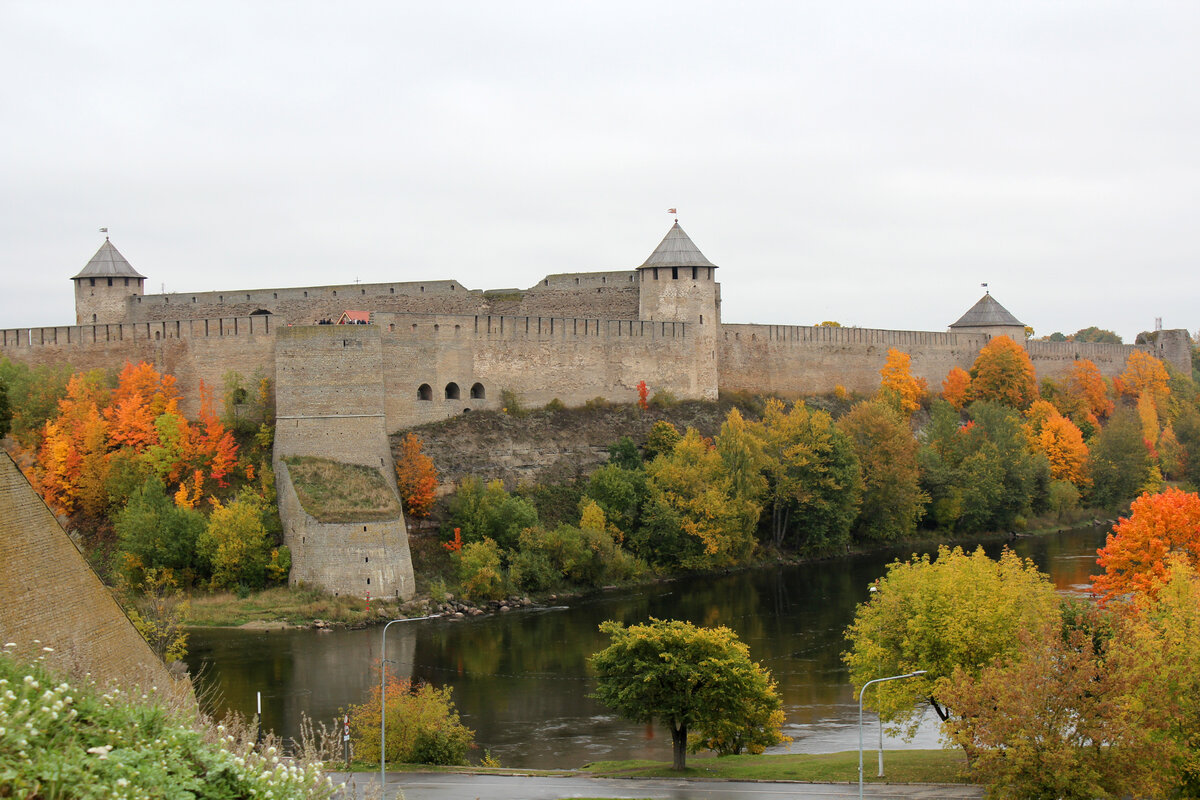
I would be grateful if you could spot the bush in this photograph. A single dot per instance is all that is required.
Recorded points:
(555, 405)
(423, 726)
(510, 404)
(663, 399)
(64, 740)
(479, 571)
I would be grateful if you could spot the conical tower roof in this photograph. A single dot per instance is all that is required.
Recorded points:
(677, 250)
(987, 313)
(108, 263)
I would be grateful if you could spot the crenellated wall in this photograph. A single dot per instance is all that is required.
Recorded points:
(793, 360)
(193, 350)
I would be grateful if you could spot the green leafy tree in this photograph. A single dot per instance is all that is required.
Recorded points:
(689, 679)
(152, 533)
(692, 518)
(1187, 433)
(1094, 334)
(957, 611)
(620, 492)
(813, 482)
(158, 609)
(489, 512)
(892, 502)
(33, 395)
(624, 453)
(1119, 460)
(5, 411)
(981, 475)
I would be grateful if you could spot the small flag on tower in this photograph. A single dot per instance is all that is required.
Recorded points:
(672, 211)
(104, 230)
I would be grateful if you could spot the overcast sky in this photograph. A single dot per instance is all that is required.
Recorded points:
(870, 163)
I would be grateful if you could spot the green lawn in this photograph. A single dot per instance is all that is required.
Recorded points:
(335, 492)
(900, 766)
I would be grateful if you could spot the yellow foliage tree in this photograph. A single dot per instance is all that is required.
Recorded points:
(1004, 374)
(956, 389)
(898, 386)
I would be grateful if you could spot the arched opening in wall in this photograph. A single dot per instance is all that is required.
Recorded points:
(466, 411)
(694, 273)
(452, 391)
(91, 281)
(391, 327)
(259, 312)
(674, 273)
(424, 392)
(477, 392)
(110, 281)
(94, 320)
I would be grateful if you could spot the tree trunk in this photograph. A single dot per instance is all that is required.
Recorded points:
(679, 746)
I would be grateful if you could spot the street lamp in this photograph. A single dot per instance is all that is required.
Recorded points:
(383, 697)
(861, 692)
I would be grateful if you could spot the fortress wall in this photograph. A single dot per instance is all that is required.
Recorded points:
(191, 350)
(795, 360)
(49, 593)
(1053, 359)
(538, 358)
(610, 295)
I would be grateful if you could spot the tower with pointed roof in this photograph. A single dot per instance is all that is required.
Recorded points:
(103, 287)
(989, 317)
(678, 284)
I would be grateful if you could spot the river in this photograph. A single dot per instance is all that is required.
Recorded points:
(520, 678)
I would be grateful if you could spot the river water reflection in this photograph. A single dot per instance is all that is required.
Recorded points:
(520, 678)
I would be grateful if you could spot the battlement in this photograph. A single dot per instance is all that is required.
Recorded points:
(807, 334)
(586, 280)
(136, 332)
(347, 291)
(499, 326)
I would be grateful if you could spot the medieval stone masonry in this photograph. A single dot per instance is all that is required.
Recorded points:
(435, 349)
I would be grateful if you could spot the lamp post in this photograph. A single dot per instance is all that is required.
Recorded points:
(861, 692)
(383, 698)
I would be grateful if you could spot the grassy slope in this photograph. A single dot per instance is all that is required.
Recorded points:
(900, 766)
(331, 491)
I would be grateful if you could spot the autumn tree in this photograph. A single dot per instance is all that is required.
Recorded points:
(662, 438)
(1088, 393)
(619, 491)
(1156, 652)
(1146, 376)
(814, 485)
(898, 387)
(5, 411)
(957, 611)
(423, 725)
(1060, 441)
(416, 477)
(72, 461)
(693, 518)
(235, 543)
(956, 389)
(1135, 557)
(1004, 374)
(1033, 720)
(690, 679)
(892, 500)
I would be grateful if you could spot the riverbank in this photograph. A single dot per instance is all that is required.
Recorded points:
(304, 607)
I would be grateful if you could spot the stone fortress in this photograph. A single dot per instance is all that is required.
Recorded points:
(435, 349)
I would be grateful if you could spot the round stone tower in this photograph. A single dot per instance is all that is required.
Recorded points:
(103, 287)
(678, 284)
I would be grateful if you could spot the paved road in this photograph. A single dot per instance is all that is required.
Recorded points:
(446, 786)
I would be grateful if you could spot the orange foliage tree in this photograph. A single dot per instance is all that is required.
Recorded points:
(72, 461)
(956, 389)
(1087, 392)
(1146, 376)
(416, 477)
(898, 386)
(1135, 558)
(643, 393)
(1004, 374)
